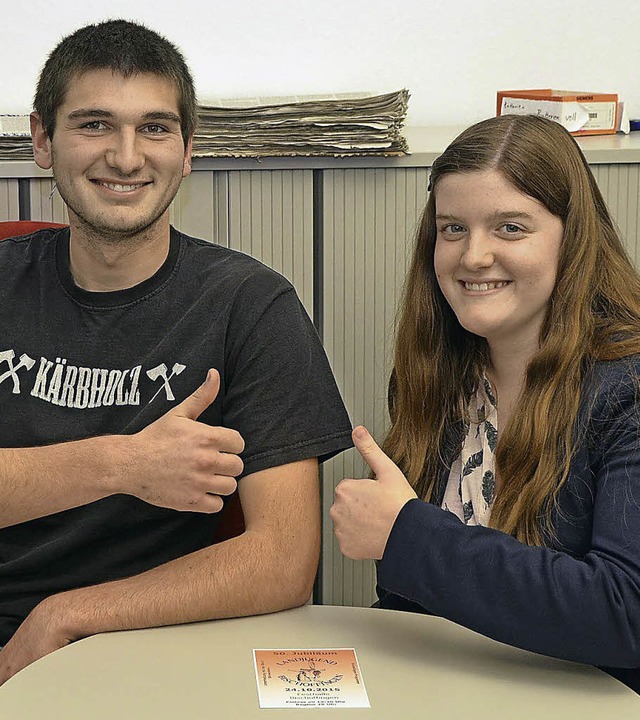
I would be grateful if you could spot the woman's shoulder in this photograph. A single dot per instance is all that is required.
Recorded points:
(612, 388)
(607, 374)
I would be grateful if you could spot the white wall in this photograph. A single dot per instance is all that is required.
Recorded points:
(452, 54)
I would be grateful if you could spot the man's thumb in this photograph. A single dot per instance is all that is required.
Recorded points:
(199, 400)
(371, 452)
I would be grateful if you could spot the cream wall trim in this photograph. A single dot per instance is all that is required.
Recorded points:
(9, 205)
(369, 223)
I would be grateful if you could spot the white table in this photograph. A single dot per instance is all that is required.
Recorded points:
(413, 666)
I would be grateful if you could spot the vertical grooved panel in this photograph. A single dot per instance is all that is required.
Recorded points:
(221, 208)
(632, 211)
(200, 207)
(9, 203)
(620, 185)
(271, 218)
(46, 203)
(370, 217)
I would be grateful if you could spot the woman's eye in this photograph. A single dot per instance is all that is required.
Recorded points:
(452, 229)
(511, 229)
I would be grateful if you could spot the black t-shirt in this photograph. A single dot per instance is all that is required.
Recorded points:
(76, 364)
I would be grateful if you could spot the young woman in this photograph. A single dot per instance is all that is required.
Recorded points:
(507, 497)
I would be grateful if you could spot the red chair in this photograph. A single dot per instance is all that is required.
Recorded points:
(14, 228)
(232, 521)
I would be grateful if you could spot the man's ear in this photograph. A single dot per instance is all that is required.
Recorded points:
(186, 166)
(41, 142)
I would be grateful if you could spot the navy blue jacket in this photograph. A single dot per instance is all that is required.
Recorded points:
(578, 598)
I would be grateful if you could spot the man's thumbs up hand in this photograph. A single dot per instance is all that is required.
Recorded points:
(180, 463)
(200, 399)
(364, 511)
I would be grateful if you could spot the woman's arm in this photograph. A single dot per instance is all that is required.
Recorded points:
(584, 608)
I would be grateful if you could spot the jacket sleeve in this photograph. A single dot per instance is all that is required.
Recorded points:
(578, 605)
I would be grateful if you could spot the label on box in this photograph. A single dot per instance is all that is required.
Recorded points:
(602, 115)
(573, 116)
(327, 677)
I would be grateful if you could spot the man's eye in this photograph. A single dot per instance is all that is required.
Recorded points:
(154, 129)
(94, 125)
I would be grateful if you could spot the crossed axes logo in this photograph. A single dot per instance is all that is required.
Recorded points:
(160, 371)
(26, 362)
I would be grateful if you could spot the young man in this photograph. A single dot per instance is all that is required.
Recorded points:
(116, 454)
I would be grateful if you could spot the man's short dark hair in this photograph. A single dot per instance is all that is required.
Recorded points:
(124, 47)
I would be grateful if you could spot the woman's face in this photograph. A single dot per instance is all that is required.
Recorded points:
(496, 256)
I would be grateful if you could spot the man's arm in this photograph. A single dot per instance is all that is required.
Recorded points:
(270, 567)
(175, 462)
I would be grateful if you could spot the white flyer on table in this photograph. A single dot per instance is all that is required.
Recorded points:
(324, 677)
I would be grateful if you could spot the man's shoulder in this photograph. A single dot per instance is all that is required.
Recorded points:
(206, 258)
(26, 251)
(31, 243)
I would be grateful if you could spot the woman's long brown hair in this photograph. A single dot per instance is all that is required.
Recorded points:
(593, 314)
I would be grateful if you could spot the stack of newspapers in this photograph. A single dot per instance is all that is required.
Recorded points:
(334, 125)
(15, 138)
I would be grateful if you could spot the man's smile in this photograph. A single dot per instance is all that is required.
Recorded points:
(120, 187)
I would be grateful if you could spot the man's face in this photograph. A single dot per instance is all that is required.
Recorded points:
(117, 153)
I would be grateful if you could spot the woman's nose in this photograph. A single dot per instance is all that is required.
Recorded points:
(479, 251)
